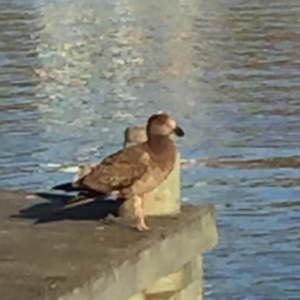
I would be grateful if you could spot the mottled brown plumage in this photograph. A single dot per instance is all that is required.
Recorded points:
(134, 171)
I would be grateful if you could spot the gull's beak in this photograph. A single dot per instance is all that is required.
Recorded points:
(179, 131)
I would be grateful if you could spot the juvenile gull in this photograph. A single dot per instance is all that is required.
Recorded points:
(134, 171)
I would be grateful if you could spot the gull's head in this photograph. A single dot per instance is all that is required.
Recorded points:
(163, 124)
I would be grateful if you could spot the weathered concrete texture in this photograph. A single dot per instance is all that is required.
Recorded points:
(178, 280)
(75, 257)
(139, 296)
(134, 135)
(191, 292)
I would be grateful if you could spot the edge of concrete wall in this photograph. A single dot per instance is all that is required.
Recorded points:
(154, 260)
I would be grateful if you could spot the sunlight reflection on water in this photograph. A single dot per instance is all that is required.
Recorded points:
(74, 73)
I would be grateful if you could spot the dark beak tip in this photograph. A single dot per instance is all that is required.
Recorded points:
(179, 131)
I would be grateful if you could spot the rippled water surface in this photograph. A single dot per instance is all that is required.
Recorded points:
(73, 74)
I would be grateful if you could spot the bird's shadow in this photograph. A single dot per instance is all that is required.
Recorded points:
(54, 209)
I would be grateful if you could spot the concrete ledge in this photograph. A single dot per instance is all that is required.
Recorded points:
(191, 292)
(179, 279)
(76, 258)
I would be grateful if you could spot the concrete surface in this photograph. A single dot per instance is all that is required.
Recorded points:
(178, 280)
(49, 253)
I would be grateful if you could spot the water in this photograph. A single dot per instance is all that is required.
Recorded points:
(73, 74)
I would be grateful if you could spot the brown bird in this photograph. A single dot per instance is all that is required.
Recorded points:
(134, 171)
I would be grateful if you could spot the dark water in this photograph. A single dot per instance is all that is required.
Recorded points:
(73, 74)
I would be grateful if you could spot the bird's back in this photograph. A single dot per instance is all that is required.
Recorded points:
(119, 170)
(132, 171)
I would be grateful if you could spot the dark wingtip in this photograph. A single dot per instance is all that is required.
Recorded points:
(67, 187)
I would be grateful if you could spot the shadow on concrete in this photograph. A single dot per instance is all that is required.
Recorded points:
(55, 210)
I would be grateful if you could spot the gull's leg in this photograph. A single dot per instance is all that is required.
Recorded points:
(139, 214)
